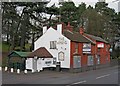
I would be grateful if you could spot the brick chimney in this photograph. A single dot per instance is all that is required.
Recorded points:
(81, 30)
(69, 27)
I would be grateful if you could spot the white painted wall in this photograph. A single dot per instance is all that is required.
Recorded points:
(44, 62)
(29, 63)
(47, 62)
(54, 35)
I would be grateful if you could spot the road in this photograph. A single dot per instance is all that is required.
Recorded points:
(101, 76)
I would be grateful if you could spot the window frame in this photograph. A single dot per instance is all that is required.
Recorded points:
(53, 44)
(90, 60)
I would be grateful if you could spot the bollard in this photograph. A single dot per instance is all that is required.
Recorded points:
(18, 71)
(11, 70)
(32, 70)
(38, 70)
(0, 68)
(41, 69)
(25, 71)
(6, 68)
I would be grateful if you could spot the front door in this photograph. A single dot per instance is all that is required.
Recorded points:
(34, 64)
(39, 64)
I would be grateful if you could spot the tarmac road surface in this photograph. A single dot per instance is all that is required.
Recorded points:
(101, 76)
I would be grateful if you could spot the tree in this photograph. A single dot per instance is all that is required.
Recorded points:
(18, 25)
(116, 40)
(116, 22)
(68, 12)
(93, 22)
(9, 21)
(108, 13)
(81, 8)
(53, 10)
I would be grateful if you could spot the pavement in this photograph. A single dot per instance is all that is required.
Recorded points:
(108, 75)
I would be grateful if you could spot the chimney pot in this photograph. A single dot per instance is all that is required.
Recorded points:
(44, 29)
(68, 24)
(59, 28)
(69, 27)
(81, 30)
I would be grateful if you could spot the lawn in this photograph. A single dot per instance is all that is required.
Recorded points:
(5, 47)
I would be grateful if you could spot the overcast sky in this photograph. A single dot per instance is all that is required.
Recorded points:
(111, 3)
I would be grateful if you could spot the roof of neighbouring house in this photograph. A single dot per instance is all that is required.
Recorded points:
(19, 54)
(77, 37)
(41, 52)
(97, 38)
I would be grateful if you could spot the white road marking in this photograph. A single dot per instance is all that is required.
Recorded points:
(102, 76)
(80, 82)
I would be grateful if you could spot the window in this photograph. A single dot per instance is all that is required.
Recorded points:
(76, 47)
(53, 45)
(90, 60)
(76, 61)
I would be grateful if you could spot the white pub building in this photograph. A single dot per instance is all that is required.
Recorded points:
(55, 43)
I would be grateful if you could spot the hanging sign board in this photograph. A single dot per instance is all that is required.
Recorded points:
(100, 45)
(86, 48)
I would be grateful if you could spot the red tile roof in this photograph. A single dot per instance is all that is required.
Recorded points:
(77, 37)
(41, 52)
(96, 38)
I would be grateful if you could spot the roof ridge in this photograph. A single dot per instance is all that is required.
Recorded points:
(70, 31)
(94, 35)
(97, 38)
(89, 39)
